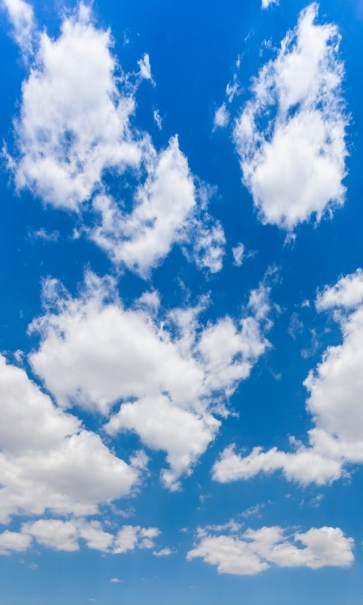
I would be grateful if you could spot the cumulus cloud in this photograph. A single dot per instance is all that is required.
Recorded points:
(254, 551)
(163, 205)
(21, 16)
(335, 403)
(168, 372)
(168, 208)
(74, 119)
(11, 541)
(57, 534)
(347, 293)
(76, 124)
(47, 459)
(290, 135)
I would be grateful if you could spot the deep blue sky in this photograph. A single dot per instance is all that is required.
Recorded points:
(193, 49)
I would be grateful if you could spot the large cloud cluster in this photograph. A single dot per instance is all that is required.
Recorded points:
(167, 371)
(76, 126)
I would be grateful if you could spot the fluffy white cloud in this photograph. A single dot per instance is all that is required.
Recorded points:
(347, 293)
(47, 459)
(335, 403)
(130, 537)
(163, 205)
(167, 371)
(74, 121)
(11, 541)
(290, 135)
(66, 535)
(255, 550)
(75, 125)
(22, 19)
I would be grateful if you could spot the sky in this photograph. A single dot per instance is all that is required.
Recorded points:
(181, 334)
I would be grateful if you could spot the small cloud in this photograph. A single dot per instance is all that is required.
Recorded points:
(253, 510)
(165, 552)
(315, 502)
(115, 580)
(238, 254)
(266, 3)
(221, 117)
(41, 233)
(145, 68)
(296, 326)
(232, 89)
(33, 566)
(157, 119)
(290, 238)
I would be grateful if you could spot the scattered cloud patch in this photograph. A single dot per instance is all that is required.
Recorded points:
(334, 401)
(254, 551)
(266, 3)
(158, 119)
(62, 535)
(145, 68)
(238, 254)
(164, 552)
(163, 214)
(221, 117)
(290, 135)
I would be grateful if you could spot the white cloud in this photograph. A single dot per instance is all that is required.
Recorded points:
(21, 16)
(335, 396)
(266, 3)
(168, 373)
(221, 117)
(66, 536)
(347, 293)
(47, 459)
(75, 125)
(184, 434)
(166, 211)
(131, 537)
(145, 68)
(11, 541)
(238, 254)
(293, 163)
(163, 205)
(74, 120)
(164, 552)
(157, 119)
(255, 550)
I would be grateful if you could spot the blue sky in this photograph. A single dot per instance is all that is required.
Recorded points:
(182, 311)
